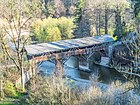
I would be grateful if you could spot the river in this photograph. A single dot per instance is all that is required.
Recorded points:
(103, 74)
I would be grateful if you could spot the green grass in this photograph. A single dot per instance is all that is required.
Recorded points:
(12, 101)
(7, 103)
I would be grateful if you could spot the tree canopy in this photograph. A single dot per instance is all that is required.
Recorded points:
(52, 29)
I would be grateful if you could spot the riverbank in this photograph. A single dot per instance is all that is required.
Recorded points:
(67, 91)
(52, 90)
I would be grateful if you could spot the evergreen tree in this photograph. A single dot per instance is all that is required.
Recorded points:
(79, 7)
(118, 24)
(78, 16)
(136, 6)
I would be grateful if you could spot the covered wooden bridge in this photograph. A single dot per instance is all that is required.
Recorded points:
(61, 51)
(66, 48)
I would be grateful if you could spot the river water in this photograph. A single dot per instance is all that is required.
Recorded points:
(103, 74)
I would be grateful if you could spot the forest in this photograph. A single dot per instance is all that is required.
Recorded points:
(31, 22)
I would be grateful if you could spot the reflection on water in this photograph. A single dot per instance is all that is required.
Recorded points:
(105, 75)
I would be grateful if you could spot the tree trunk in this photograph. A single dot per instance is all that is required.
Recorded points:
(138, 28)
(97, 31)
(118, 22)
(22, 72)
(106, 21)
(45, 5)
(22, 79)
(32, 73)
(1, 89)
(99, 23)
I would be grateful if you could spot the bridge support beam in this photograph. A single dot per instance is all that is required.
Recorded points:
(59, 67)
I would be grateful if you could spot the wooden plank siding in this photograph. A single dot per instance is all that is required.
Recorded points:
(69, 53)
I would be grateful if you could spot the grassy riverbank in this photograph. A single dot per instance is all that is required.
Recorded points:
(58, 91)
(61, 91)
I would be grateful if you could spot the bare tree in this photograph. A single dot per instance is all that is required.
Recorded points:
(127, 60)
(16, 16)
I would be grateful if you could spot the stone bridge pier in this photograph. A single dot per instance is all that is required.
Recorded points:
(80, 62)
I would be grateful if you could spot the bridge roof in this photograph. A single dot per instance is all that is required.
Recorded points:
(42, 48)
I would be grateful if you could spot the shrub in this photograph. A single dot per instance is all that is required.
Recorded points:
(52, 29)
(66, 27)
(38, 31)
(54, 34)
(9, 89)
(1, 95)
(51, 91)
(116, 94)
(57, 91)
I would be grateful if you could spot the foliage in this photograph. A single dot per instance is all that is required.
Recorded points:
(66, 27)
(55, 91)
(120, 24)
(53, 34)
(54, 8)
(78, 15)
(114, 95)
(51, 91)
(79, 10)
(16, 16)
(50, 9)
(9, 89)
(93, 16)
(1, 95)
(52, 29)
(136, 6)
(128, 55)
